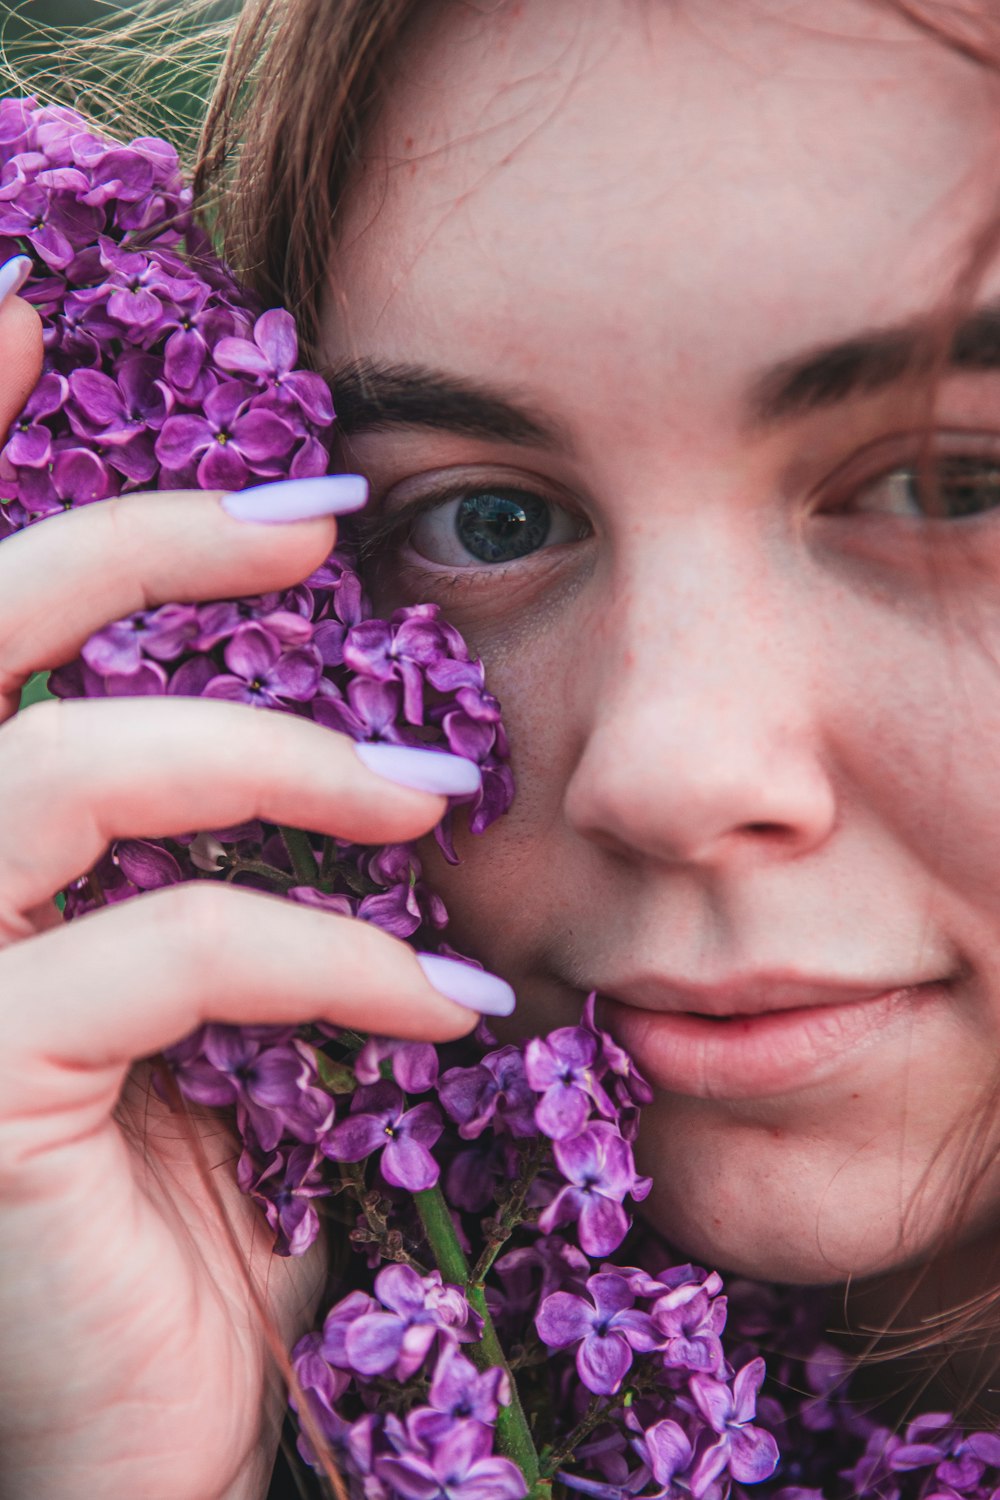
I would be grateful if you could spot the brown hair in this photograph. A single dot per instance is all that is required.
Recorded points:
(300, 85)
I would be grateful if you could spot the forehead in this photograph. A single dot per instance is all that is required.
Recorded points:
(659, 181)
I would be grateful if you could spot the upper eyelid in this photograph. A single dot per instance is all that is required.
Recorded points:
(902, 450)
(382, 522)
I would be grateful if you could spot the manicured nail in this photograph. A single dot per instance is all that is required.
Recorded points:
(298, 499)
(423, 770)
(476, 989)
(13, 274)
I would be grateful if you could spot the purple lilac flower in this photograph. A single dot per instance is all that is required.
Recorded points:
(270, 357)
(459, 1390)
(261, 673)
(30, 443)
(337, 1324)
(285, 1188)
(495, 1093)
(561, 1068)
(379, 1121)
(148, 866)
(688, 1322)
(162, 633)
(273, 1087)
(749, 1453)
(599, 1171)
(604, 1326)
(458, 1466)
(416, 1312)
(53, 224)
(229, 442)
(414, 1064)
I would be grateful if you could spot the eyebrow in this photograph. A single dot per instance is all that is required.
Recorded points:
(870, 362)
(370, 396)
(374, 395)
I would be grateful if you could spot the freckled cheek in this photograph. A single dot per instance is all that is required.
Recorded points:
(511, 879)
(926, 749)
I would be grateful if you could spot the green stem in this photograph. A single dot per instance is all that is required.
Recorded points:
(280, 879)
(514, 1438)
(511, 1214)
(301, 854)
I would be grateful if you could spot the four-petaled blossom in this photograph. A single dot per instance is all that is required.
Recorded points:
(261, 673)
(231, 439)
(495, 1091)
(459, 1390)
(459, 1466)
(599, 1172)
(689, 1323)
(560, 1066)
(380, 1121)
(416, 1312)
(605, 1326)
(748, 1452)
(271, 356)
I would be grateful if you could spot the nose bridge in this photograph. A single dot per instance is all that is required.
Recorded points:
(701, 707)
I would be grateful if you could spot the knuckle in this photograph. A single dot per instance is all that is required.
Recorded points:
(122, 515)
(196, 927)
(36, 736)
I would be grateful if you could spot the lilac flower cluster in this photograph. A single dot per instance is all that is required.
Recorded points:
(543, 1137)
(484, 1347)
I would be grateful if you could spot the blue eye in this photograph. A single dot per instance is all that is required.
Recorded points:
(490, 526)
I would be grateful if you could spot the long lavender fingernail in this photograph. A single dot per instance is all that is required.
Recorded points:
(298, 499)
(13, 274)
(476, 989)
(423, 770)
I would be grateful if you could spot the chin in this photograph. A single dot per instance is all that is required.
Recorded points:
(760, 1202)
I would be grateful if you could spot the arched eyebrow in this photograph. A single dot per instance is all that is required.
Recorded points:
(371, 396)
(869, 362)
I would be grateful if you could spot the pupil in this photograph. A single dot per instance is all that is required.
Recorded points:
(500, 525)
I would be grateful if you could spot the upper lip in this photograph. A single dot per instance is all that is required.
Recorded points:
(750, 994)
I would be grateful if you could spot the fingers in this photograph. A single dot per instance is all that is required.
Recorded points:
(146, 972)
(69, 575)
(78, 774)
(21, 343)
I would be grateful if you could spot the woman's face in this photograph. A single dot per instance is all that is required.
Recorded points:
(651, 269)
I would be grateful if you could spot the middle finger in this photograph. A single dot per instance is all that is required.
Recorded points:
(79, 773)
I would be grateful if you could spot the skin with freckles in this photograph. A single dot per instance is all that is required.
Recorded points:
(749, 675)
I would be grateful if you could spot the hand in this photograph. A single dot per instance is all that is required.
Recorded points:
(133, 1360)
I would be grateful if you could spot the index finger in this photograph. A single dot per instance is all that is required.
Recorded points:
(67, 576)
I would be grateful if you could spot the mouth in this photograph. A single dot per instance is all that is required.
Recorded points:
(755, 1037)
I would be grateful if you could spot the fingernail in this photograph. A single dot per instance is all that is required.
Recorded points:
(13, 274)
(476, 989)
(298, 499)
(423, 770)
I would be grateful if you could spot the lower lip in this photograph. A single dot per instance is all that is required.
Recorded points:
(749, 1057)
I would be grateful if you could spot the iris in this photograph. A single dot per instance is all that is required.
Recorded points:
(500, 525)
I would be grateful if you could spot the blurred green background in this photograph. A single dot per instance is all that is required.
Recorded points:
(141, 66)
(119, 78)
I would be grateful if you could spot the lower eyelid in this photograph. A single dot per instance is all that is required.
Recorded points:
(561, 519)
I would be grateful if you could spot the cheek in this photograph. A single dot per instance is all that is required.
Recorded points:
(918, 735)
(510, 883)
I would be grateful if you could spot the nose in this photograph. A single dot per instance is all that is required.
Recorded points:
(702, 699)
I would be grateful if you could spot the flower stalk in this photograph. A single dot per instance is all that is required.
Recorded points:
(514, 1438)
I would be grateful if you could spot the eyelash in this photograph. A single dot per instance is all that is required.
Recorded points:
(379, 535)
(975, 450)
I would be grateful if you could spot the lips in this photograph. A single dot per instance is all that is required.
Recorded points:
(755, 1035)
